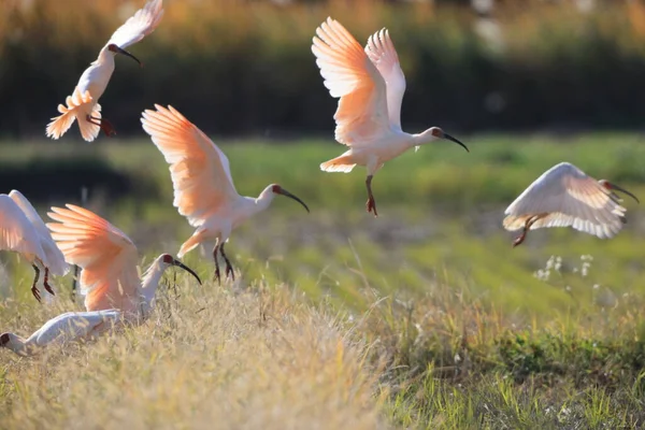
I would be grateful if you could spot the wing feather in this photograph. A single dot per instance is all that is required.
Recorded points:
(199, 170)
(382, 53)
(16, 231)
(349, 74)
(107, 256)
(567, 197)
(138, 26)
(53, 257)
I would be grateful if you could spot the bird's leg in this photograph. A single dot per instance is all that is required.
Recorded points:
(229, 267)
(217, 274)
(527, 226)
(34, 288)
(371, 204)
(46, 284)
(105, 125)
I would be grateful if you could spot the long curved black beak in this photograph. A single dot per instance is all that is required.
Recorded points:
(622, 190)
(288, 194)
(449, 137)
(187, 269)
(115, 48)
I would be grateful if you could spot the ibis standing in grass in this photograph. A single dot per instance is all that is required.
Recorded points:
(22, 230)
(82, 105)
(201, 177)
(564, 196)
(370, 85)
(108, 258)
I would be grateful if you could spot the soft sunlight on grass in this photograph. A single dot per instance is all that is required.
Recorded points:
(422, 318)
(209, 358)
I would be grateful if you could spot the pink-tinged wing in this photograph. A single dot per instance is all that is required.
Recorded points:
(199, 170)
(349, 74)
(107, 256)
(53, 258)
(16, 232)
(381, 52)
(568, 198)
(141, 24)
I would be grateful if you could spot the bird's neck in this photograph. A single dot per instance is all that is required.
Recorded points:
(105, 57)
(149, 284)
(422, 138)
(264, 199)
(19, 345)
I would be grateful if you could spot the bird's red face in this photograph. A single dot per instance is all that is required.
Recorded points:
(172, 261)
(277, 189)
(4, 339)
(609, 186)
(440, 134)
(112, 47)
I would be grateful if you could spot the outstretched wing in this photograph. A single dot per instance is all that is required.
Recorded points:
(107, 256)
(200, 172)
(16, 231)
(138, 26)
(381, 52)
(566, 196)
(53, 257)
(349, 74)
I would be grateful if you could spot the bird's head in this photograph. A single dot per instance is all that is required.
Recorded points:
(5, 338)
(437, 133)
(168, 260)
(611, 187)
(277, 189)
(112, 47)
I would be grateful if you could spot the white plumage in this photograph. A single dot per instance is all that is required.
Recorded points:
(370, 84)
(67, 327)
(564, 196)
(82, 105)
(23, 231)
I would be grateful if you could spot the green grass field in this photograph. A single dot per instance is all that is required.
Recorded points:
(425, 317)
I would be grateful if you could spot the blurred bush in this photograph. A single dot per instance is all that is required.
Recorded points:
(245, 67)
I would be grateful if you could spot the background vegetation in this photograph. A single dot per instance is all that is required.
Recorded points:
(245, 67)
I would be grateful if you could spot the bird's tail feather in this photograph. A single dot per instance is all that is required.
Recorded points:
(89, 130)
(192, 243)
(339, 164)
(76, 108)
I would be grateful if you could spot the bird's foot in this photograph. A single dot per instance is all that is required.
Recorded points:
(230, 272)
(46, 283)
(218, 277)
(106, 126)
(36, 293)
(48, 288)
(371, 206)
(519, 239)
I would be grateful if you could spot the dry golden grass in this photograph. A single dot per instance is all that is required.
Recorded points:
(209, 358)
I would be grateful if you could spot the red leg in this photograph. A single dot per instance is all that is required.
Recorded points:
(46, 283)
(371, 203)
(34, 288)
(527, 226)
(229, 267)
(105, 125)
(217, 273)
